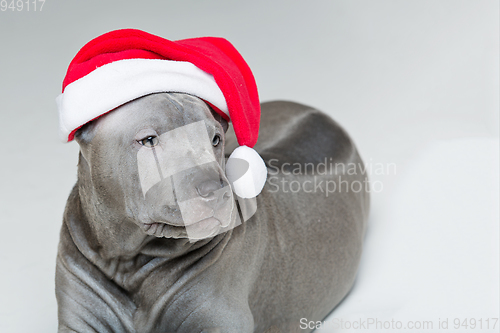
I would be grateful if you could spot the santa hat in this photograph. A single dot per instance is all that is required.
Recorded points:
(123, 65)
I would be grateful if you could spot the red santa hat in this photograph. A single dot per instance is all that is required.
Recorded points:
(123, 65)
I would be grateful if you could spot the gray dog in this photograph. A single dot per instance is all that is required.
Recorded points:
(127, 264)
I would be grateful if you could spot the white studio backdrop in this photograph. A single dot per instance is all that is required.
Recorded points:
(415, 83)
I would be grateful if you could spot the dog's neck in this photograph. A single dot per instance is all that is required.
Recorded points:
(130, 262)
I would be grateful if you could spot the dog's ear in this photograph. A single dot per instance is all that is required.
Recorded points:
(86, 133)
(218, 117)
(83, 136)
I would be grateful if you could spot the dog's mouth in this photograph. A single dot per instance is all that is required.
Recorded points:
(162, 229)
(202, 229)
(205, 228)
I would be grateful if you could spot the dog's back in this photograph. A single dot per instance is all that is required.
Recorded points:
(313, 211)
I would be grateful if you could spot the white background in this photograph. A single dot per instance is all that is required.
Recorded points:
(415, 83)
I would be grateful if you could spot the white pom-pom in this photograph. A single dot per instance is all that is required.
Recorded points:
(246, 171)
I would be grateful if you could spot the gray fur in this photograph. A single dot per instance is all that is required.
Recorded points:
(295, 258)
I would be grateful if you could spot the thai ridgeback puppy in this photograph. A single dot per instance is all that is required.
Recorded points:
(127, 264)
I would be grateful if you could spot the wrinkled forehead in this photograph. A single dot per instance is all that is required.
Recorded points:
(161, 112)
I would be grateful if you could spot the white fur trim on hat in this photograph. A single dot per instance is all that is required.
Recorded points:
(246, 172)
(119, 82)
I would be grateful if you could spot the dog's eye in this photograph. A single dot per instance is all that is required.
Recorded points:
(149, 142)
(216, 140)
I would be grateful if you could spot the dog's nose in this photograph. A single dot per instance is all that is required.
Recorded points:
(207, 188)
